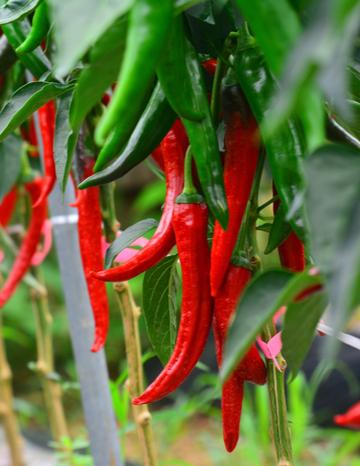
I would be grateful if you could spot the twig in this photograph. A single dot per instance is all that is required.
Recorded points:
(130, 316)
(6, 407)
(45, 365)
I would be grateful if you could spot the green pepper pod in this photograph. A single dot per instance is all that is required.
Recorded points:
(285, 150)
(117, 140)
(39, 29)
(36, 62)
(171, 65)
(153, 125)
(149, 24)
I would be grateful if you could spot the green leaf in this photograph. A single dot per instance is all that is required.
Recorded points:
(78, 25)
(25, 101)
(280, 230)
(276, 27)
(301, 319)
(127, 238)
(160, 288)
(16, 9)
(320, 55)
(65, 140)
(10, 163)
(334, 228)
(265, 294)
(101, 71)
(344, 281)
(182, 5)
(349, 123)
(332, 175)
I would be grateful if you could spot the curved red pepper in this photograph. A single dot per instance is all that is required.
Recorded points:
(7, 207)
(251, 368)
(30, 242)
(163, 239)
(90, 233)
(241, 158)
(47, 129)
(190, 225)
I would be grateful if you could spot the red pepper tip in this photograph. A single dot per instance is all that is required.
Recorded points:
(230, 440)
(97, 345)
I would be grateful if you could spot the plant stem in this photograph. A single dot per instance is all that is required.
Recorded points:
(111, 224)
(276, 377)
(45, 366)
(130, 314)
(278, 408)
(189, 187)
(7, 413)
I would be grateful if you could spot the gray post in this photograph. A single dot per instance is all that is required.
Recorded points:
(91, 368)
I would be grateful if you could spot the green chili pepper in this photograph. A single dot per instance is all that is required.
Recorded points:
(149, 24)
(39, 30)
(285, 150)
(202, 135)
(153, 125)
(117, 140)
(171, 65)
(36, 62)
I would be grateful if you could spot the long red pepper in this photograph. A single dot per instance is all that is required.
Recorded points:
(90, 233)
(30, 242)
(7, 207)
(242, 149)
(190, 223)
(47, 129)
(163, 239)
(251, 368)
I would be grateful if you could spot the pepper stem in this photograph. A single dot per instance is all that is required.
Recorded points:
(189, 187)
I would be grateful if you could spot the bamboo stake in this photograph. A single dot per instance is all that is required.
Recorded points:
(130, 313)
(45, 366)
(7, 413)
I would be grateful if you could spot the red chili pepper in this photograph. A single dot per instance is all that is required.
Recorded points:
(241, 158)
(190, 225)
(351, 418)
(158, 157)
(7, 207)
(210, 65)
(30, 242)
(90, 233)
(163, 239)
(251, 368)
(29, 135)
(47, 130)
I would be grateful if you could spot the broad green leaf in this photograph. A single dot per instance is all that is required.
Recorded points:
(101, 71)
(266, 293)
(332, 204)
(301, 319)
(15, 9)
(65, 140)
(127, 237)
(160, 290)
(332, 175)
(344, 281)
(78, 25)
(280, 230)
(10, 163)
(320, 56)
(25, 101)
(276, 27)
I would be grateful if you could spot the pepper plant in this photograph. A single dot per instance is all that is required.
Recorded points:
(222, 94)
